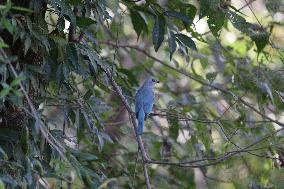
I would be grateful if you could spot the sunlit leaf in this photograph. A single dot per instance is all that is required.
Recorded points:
(187, 41)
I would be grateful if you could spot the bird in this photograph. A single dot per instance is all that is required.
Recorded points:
(144, 101)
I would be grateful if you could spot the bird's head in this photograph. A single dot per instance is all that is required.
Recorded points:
(151, 81)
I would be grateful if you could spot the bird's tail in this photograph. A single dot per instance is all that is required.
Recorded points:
(140, 118)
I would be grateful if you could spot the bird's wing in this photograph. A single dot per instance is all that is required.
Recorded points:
(144, 99)
(148, 104)
(138, 101)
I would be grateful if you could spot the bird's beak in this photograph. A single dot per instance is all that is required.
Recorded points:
(157, 81)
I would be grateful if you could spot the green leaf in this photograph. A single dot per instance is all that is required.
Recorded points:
(3, 45)
(211, 76)
(84, 156)
(17, 81)
(195, 34)
(129, 74)
(59, 40)
(174, 126)
(86, 179)
(274, 6)
(215, 22)
(138, 22)
(18, 93)
(9, 180)
(265, 87)
(74, 2)
(7, 25)
(238, 22)
(189, 10)
(22, 9)
(106, 182)
(172, 43)
(5, 91)
(261, 39)
(38, 167)
(35, 68)
(256, 33)
(187, 41)
(59, 74)
(63, 8)
(2, 186)
(207, 7)
(25, 140)
(158, 32)
(3, 154)
(179, 16)
(84, 22)
(27, 44)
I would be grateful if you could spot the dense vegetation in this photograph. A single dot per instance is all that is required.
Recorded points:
(70, 70)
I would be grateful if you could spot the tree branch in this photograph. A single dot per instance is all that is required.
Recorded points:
(220, 159)
(145, 157)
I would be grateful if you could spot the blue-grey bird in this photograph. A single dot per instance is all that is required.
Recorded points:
(144, 101)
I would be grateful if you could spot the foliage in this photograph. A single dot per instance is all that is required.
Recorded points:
(219, 108)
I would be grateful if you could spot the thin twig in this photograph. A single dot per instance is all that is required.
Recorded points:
(247, 4)
(146, 175)
(216, 160)
(249, 152)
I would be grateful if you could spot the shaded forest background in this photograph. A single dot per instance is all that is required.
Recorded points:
(70, 70)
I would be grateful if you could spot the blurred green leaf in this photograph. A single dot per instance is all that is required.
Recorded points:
(64, 8)
(172, 43)
(106, 182)
(25, 140)
(158, 32)
(174, 126)
(189, 10)
(3, 45)
(129, 74)
(261, 39)
(3, 154)
(18, 80)
(179, 16)
(274, 6)
(84, 22)
(8, 180)
(211, 76)
(2, 186)
(5, 91)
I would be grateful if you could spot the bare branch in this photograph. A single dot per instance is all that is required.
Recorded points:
(146, 175)
(216, 160)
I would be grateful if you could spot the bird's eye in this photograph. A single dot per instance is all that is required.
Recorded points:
(153, 80)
